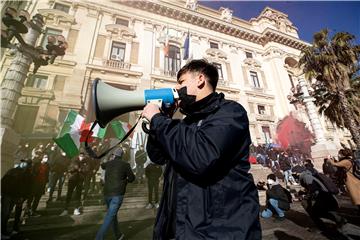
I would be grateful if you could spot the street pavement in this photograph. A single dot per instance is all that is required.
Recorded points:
(136, 222)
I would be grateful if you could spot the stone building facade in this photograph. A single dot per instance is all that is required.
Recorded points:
(137, 45)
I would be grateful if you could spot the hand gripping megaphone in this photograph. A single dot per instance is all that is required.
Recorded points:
(110, 102)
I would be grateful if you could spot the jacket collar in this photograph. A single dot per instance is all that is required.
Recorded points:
(205, 106)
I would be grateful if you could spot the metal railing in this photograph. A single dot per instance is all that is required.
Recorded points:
(116, 64)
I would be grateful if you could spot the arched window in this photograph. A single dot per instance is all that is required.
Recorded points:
(172, 61)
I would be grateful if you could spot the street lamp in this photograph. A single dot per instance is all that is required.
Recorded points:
(25, 54)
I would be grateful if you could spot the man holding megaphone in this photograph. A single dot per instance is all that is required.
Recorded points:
(208, 192)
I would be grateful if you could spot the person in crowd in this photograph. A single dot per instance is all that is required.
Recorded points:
(310, 166)
(140, 159)
(319, 202)
(38, 148)
(95, 166)
(15, 188)
(118, 173)
(153, 173)
(278, 199)
(285, 166)
(52, 152)
(328, 169)
(58, 168)
(352, 182)
(40, 174)
(206, 181)
(88, 164)
(76, 174)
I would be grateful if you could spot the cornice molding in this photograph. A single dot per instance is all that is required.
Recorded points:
(196, 18)
(57, 14)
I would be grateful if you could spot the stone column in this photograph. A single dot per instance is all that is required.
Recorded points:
(322, 147)
(11, 88)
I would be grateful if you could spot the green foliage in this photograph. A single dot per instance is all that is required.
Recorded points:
(334, 63)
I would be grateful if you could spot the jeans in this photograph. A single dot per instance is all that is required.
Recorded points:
(74, 183)
(288, 177)
(153, 187)
(273, 206)
(7, 205)
(113, 204)
(54, 178)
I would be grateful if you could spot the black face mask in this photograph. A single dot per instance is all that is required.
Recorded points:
(186, 100)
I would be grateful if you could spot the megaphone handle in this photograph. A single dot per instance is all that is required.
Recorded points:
(144, 126)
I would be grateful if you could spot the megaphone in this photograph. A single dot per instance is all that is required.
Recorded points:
(110, 102)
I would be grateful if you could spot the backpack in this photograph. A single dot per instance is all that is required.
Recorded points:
(327, 182)
(356, 168)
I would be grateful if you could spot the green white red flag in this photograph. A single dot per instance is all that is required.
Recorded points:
(75, 131)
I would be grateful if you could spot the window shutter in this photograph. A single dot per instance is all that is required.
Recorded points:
(59, 83)
(263, 79)
(228, 70)
(100, 46)
(251, 106)
(72, 37)
(134, 53)
(245, 74)
(157, 57)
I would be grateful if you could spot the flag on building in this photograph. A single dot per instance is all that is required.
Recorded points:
(187, 46)
(69, 137)
(120, 128)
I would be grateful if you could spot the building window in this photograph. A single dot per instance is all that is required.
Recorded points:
(62, 115)
(291, 81)
(214, 45)
(219, 68)
(49, 32)
(37, 81)
(249, 55)
(118, 51)
(25, 112)
(255, 79)
(62, 7)
(173, 60)
(261, 109)
(121, 21)
(267, 134)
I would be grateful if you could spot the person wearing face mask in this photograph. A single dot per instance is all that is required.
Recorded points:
(58, 167)
(278, 199)
(208, 192)
(40, 174)
(76, 172)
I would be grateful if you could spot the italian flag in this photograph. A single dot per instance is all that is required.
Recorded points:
(74, 131)
(120, 128)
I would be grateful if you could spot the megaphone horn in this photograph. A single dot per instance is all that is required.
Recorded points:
(110, 102)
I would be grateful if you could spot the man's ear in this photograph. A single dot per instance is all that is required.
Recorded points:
(201, 81)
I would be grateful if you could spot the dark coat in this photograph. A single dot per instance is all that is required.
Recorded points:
(117, 174)
(17, 183)
(279, 193)
(208, 192)
(153, 172)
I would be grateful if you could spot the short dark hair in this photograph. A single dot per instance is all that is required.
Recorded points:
(271, 176)
(201, 66)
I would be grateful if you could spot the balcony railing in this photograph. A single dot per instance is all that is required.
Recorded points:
(116, 64)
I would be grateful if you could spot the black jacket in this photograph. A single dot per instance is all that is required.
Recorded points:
(279, 193)
(17, 183)
(208, 192)
(153, 172)
(117, 174)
